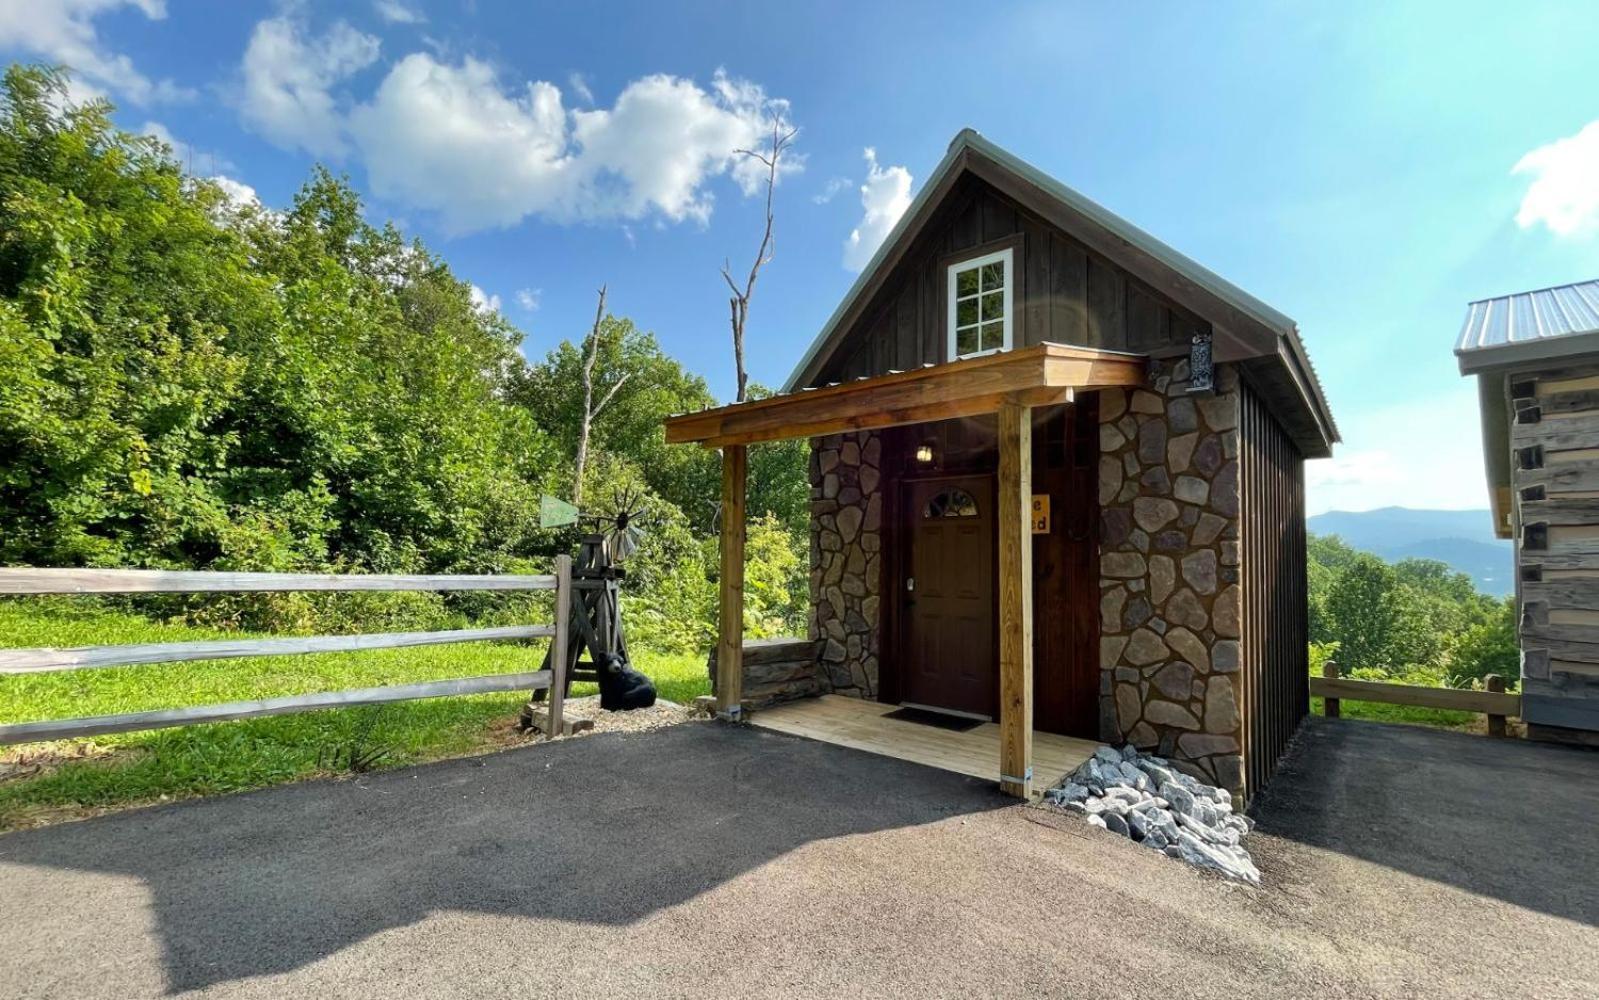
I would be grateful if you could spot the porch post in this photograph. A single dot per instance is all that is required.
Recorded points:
(730, 624)
(1015, 599)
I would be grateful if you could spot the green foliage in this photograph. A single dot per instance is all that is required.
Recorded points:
(188, 383)
(182, 384)
(1414, 622)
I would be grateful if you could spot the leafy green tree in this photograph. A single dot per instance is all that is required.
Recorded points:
(1377, 623)
(1489, 647)
(656, 387)
(186, 384)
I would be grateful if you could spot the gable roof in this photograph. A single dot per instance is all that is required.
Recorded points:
(1539, 325)
(1244, 328)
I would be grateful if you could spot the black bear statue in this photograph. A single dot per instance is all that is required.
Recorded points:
(621, 687)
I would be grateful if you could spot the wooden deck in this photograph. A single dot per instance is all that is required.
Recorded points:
(858, 723)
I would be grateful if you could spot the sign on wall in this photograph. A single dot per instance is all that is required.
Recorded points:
(1040, 513)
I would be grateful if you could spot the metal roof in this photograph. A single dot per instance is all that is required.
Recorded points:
(1530, 326)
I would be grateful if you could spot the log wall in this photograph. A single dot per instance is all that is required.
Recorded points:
(1554, 443)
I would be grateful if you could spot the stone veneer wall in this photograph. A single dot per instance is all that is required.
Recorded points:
(1170, 600)
(846, 559)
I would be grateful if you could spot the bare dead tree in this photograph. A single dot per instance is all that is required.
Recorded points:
(591, 408)
(769, 155)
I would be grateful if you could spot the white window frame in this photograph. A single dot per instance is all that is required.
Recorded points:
(1008, 258)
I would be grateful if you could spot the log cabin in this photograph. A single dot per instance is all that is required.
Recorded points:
(1535, 356)
(1057, 488)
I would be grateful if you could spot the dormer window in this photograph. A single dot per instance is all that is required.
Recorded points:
(980, 305)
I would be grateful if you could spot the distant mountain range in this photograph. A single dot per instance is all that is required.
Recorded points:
(1462, 538)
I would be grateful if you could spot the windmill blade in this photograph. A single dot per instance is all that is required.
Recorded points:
(624, 542)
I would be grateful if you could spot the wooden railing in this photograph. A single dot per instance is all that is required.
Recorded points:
(127, 581)
(1493, 702)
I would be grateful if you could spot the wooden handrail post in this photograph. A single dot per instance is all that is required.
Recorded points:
(558, 647)
(1496, 723)
(1333, 706)
(730, 617)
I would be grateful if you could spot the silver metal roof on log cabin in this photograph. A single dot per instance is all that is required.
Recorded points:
(1548, 323)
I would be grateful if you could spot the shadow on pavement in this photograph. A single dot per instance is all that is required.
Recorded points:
(1509, 819)
(605, 829)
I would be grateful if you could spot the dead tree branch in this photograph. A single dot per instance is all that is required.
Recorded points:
(770, 156)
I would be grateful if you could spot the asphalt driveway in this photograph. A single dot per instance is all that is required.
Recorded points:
(724, 861)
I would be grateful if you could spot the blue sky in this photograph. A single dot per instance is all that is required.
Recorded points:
(1367, 168)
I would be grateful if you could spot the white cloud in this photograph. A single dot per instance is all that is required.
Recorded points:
(288, 82)
(239, 194)
(63, 31)
(449, 139)
(188, 156)
(579, 86)
(484, 302)
(399, 12)
(529, 298)
(885, 196)
(831, 191)
(1564, 193)
(1368, 472)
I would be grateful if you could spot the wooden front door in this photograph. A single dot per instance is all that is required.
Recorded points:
(948, 646)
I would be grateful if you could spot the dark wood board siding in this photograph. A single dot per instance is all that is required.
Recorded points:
(1275, 677)
(1066, 570)
(1065, 561)
(1066, 293)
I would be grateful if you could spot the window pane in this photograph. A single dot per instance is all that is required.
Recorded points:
(994, 305)
(966, 282)
(951, 503)
(966, 341)
(993, 336)
(966, 312)
(993, 276)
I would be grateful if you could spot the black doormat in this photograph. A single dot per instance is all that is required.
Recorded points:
(939, 720)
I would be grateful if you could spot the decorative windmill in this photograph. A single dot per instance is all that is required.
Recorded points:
(596, 625)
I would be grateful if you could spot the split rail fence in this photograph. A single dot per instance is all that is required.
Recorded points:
(1492, 702)
(128, 581)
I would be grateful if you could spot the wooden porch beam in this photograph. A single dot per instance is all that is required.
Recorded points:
(1015, 599)
(730, 620)
(1036, 376)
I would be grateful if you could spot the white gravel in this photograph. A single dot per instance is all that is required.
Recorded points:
(1148, 801)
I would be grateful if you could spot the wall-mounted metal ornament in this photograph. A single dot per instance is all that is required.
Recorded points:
(1201, 372)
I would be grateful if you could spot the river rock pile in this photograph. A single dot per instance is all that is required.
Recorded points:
(1152, 803)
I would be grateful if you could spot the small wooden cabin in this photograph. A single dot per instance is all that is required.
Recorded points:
(1536, 359)
(1057, 482)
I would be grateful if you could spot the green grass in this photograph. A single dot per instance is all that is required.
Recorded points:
(51, 779)
(1378, 712)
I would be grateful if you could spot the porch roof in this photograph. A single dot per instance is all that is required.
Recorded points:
(1033, 376)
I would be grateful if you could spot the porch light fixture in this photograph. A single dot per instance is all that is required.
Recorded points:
(1201, 372)
(924, 453)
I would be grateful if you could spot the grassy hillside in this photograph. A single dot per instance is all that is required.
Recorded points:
(42, 779)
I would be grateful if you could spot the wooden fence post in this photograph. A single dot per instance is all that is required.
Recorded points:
(1333, 706)
(563, 617)
(1496, 723)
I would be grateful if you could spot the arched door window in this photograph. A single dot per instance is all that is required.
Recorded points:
(951, 503)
